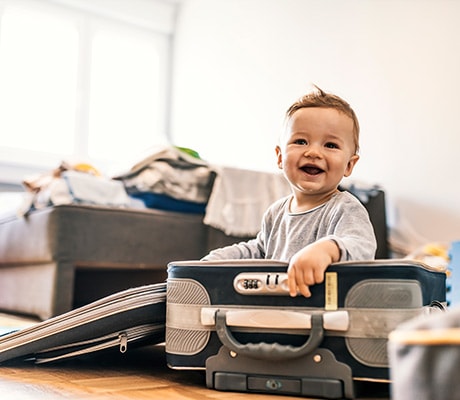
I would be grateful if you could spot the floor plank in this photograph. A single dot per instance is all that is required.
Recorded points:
(138, 374)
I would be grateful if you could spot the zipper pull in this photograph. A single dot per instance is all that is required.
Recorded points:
(123, 337)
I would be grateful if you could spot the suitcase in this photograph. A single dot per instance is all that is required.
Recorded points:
(236, 320)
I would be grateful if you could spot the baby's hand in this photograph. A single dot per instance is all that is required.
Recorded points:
(308, 265)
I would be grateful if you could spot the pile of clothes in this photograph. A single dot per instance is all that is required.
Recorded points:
(171, 178)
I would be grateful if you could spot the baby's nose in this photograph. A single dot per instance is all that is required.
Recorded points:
(313, 151)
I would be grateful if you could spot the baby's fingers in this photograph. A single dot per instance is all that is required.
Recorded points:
(296, 282)
(292, 282)
(304, 290)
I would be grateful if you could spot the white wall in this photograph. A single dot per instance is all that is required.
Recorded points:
(240, 63)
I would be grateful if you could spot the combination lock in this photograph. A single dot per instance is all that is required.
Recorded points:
(262, 283)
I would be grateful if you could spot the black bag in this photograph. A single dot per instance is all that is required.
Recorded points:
(425, 357)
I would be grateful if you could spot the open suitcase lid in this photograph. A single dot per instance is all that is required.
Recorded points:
(131, 315)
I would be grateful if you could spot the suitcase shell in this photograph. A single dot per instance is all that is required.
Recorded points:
(359, 303)
(134, 316)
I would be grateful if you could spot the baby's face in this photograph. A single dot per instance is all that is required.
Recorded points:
(317, 150)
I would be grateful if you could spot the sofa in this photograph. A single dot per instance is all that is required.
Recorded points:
(61, 257)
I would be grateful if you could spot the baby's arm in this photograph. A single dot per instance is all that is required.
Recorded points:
(242, 250)
(308, 265)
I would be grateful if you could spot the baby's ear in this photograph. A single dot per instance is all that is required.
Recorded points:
(279, 157)
(351, 164)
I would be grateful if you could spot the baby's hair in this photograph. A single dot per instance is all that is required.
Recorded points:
(319, 98)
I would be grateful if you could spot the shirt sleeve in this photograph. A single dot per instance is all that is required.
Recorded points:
(353, 232)
(253, 248)
(242, 250)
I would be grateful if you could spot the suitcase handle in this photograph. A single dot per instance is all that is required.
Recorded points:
(270, 351)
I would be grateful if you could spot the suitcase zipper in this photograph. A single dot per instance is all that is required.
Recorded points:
(123, 337)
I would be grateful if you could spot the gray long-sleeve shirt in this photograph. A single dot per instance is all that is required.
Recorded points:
(283, 233)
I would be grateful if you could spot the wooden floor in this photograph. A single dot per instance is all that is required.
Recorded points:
(138, 374)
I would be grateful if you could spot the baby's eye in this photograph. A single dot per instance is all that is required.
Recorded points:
(332, 145)
(300, 141)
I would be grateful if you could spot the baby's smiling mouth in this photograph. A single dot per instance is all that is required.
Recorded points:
(311, 169)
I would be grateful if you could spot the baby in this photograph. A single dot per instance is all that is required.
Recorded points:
(317, 224)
